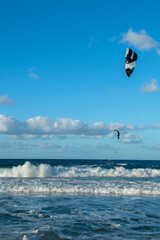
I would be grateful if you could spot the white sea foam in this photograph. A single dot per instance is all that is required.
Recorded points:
(25, 237)
(79, 186)
(122, 164)
(29, 170)
(44, 178)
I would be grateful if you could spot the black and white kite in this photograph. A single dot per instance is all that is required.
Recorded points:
(130, 61)
(118, 133)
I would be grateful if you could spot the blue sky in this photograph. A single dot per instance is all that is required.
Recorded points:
(63, 88)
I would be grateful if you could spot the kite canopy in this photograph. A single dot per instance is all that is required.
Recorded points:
(130, 61)
(118, 133)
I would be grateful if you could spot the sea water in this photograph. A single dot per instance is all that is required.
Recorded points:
(79, 199)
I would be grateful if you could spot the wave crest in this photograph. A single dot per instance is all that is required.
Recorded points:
(29, 170)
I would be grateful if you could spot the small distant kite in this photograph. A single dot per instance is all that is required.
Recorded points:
(130, 61)
(118, 133)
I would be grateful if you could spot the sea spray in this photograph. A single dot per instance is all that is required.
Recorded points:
(29, 170)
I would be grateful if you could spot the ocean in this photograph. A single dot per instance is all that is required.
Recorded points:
(79, 199)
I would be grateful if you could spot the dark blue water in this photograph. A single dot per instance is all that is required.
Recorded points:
(79, 199)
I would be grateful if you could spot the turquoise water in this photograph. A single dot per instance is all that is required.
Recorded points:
(79, 199)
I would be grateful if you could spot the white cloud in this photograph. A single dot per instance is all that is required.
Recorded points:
(39, 125)
(48, 128)
(68, 125)
(30, 136)
(47, 136)
(91, 137)
(150, 126)
(131, 127)
(22, 136)
(4, 100)
(132, 138)
(151, 87)
(111, 135)
(120, 126)
(44, 128)
(9, 125)
(140, 40)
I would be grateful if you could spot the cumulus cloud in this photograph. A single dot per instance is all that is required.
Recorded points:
(113, 126)
(9, 125)
(152, 86)
(140, 40)
(132, 138)
(39, 125)
(120, 126)
(44, 128)
(48, 128)
(4, 100)
(68, 125)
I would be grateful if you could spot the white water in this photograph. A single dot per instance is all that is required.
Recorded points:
(79, 186)
(44, 178)
(29, 170)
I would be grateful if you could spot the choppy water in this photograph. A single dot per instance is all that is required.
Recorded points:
(79, 199)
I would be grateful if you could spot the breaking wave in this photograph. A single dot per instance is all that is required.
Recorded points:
(29, 170)
(78, 186)
(44, 178)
